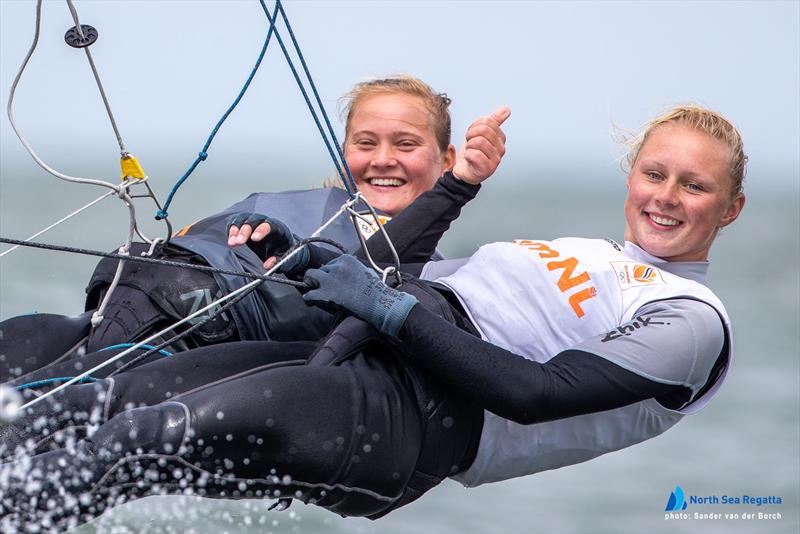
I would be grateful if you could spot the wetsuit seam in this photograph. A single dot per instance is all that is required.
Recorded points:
(54, 435)
(312, 485)
(695, 352)
(240, 375)
(69, 352)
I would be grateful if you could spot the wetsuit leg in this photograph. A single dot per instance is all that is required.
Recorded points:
(59, 419)
(29, 342)
(346, 437)
(44, 346)
(77, 364)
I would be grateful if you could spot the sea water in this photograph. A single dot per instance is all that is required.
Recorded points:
(745, 443)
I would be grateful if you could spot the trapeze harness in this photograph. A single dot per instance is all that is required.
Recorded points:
(391, 434)
(274, 311)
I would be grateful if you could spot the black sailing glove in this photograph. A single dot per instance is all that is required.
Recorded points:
(346, 283)
(276, 243)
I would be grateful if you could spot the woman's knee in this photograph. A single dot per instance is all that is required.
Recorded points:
(160, 429)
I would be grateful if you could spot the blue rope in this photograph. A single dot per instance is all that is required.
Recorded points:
(129, 345)
(48, 381)
(86, 379)
(342, 159)
(339, 163)
(162, 213)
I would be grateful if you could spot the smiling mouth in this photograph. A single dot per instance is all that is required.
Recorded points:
(663, 221)
(386, 182)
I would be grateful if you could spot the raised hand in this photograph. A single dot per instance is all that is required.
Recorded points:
(483, 149)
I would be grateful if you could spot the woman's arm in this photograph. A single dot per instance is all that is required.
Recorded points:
(672, 351)
(681, 337)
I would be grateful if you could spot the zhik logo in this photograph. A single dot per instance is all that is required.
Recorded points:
(676, 501)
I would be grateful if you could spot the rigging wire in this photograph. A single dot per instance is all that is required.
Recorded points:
(79, 30)
(131, 170)
(339, 163)
(63, 219)
(23, 140)
(127, 161)
(347, 178)
(169, 263)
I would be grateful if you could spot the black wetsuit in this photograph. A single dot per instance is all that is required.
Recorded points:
(348, 424)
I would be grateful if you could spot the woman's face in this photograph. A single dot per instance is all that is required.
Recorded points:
(679, 193)
(392, 152)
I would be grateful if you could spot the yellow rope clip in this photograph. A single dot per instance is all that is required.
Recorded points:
(131, 168)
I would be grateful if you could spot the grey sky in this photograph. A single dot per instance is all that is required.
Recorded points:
(569, 70)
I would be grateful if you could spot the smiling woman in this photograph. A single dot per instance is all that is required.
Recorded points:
(397, 140)
(685, 184)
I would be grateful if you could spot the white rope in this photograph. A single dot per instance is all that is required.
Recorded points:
(63, 219)
(97, 316)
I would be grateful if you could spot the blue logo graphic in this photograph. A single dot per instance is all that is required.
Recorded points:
(676, 501)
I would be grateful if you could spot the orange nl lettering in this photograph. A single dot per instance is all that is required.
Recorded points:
(568, 279)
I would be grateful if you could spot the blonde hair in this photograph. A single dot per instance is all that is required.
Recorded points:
(703, 120)
(437, 103)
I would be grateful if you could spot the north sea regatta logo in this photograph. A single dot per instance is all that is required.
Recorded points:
(676, 501)
(721, 507)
